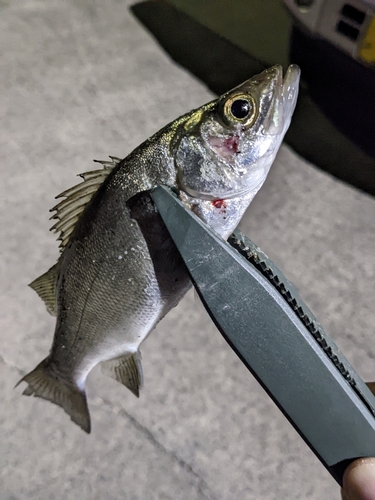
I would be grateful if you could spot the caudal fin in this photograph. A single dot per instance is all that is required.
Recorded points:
(45, 383)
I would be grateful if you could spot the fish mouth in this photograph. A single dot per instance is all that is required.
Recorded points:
(290, 88)
(285, 93)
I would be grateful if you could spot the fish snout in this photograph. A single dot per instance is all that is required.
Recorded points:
(282, 99)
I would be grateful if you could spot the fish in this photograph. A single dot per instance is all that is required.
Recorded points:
(119, 272)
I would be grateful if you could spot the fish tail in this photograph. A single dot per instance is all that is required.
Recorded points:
(44, 382)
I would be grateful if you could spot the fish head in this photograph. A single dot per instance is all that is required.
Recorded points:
(227, 147)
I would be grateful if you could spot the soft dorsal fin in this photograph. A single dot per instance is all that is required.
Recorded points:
(127, 370)
(69, 210)
(45, 287)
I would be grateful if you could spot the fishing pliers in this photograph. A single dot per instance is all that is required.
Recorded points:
(267, 324)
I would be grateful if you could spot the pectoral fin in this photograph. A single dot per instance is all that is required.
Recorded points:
(45, 287)
(127, 370)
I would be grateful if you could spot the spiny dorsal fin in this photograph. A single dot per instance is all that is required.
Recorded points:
(69, 210)
(127, 370)
(45, 287)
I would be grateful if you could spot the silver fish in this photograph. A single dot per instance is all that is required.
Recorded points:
(119, 272)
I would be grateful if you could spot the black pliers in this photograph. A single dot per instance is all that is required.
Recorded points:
(277, 337)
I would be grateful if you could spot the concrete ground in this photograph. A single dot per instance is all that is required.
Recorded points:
(83, 80)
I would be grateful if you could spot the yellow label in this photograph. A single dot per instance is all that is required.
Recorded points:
(367, 48)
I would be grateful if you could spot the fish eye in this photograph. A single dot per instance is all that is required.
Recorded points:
(240, 108)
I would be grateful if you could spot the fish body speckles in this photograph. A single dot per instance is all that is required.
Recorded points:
(119, 272)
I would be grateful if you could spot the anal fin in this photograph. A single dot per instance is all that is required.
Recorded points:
(127, 370)
(45, 287)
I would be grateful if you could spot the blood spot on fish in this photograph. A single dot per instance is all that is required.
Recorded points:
(232, 143)
(219, 204)
(221, 207)
(226, 147)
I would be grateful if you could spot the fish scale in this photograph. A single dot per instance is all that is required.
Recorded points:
(119, 272)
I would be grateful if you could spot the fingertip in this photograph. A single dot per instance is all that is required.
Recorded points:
(359, 480)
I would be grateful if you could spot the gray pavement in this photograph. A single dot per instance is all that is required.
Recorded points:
(83, 80)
